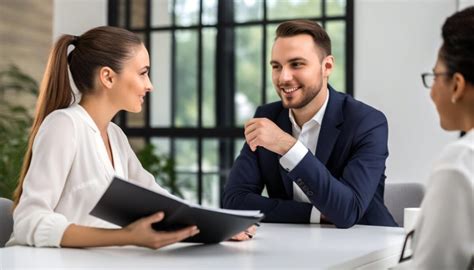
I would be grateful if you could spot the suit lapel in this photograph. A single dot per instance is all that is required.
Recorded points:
(329, 132)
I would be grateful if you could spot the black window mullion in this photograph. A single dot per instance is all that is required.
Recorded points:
(147, 45)
(199, 105)
(236, 132)
(128, 11)
(225, 84)
(112, 13)
(234, 24)
(349, 47)
(173, 81)
(225, 66)
(264, 53)
(323, 13)
(112, 20)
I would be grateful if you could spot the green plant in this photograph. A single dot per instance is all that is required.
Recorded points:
(15, 121)
(161, 167)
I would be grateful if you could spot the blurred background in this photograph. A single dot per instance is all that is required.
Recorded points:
(210, 70)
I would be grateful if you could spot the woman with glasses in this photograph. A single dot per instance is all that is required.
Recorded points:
(444, 235)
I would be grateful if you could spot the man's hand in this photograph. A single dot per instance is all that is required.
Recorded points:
(263, 132)
(245, 235)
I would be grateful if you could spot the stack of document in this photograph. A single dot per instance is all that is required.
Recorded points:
(124, 202)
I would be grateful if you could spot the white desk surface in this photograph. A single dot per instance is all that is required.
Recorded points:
(276, 246)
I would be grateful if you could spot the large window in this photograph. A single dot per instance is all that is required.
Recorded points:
(210, 70)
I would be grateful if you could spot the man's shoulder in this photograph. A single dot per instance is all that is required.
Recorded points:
(353, 109)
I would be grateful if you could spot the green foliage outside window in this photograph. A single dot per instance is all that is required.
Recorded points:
(15, 121)
(161, 167)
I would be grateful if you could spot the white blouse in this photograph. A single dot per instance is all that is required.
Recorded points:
(69, 171)
(444, 234)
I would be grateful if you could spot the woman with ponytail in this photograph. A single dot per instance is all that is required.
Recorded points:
(74, 149)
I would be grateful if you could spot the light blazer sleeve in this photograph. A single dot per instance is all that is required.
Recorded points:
(54, 147)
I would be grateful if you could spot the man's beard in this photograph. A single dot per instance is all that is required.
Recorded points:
(309, 94)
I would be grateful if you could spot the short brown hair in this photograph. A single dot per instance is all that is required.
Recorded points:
(298, 27)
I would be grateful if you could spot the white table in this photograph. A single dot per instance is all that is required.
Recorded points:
(276, 246)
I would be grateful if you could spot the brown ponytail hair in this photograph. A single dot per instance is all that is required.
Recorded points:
(98, 47)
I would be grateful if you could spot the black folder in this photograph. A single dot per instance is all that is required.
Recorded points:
(124, 202)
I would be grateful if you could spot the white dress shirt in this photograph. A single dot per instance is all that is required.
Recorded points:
(444, 233)
(69, 171)
(307, 138)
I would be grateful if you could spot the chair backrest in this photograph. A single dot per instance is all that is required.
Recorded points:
(6, 220)
(399, 196)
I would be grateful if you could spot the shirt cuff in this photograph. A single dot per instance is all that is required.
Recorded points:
(315, 216)
(50, 231)
(296, 153)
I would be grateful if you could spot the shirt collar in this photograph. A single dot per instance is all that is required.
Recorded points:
(316, 119)
(85, 117)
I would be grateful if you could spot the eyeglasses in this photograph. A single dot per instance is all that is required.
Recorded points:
(428, 77)
(407, 252)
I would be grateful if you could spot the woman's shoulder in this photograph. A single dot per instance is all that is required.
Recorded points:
(458, 154)
(74, 115)
(59, 128)
(460, 149)
(61, 118)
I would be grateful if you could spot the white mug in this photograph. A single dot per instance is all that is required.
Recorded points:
(410, 217)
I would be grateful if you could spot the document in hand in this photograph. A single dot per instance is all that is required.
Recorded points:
(124, 202)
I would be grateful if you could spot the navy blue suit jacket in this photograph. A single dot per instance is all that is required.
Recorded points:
(344, 180)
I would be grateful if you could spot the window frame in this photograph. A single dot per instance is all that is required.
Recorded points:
(224, 130)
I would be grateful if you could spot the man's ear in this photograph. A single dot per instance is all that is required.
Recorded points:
(107, 77)
(459, 87)
(327, 65)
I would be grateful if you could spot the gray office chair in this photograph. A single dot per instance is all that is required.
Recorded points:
(6, 220)
(402, 195)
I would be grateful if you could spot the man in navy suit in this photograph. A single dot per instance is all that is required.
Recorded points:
(319, 153)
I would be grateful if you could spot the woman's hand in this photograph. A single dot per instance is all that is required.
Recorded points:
(245, 235)
(142, 234)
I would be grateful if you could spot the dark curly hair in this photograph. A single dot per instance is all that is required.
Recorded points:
(457, 51)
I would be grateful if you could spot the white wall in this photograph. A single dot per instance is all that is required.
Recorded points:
(77, 16)
(465, 4)
(395, 41)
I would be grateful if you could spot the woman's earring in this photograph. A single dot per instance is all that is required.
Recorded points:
(453, 100)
